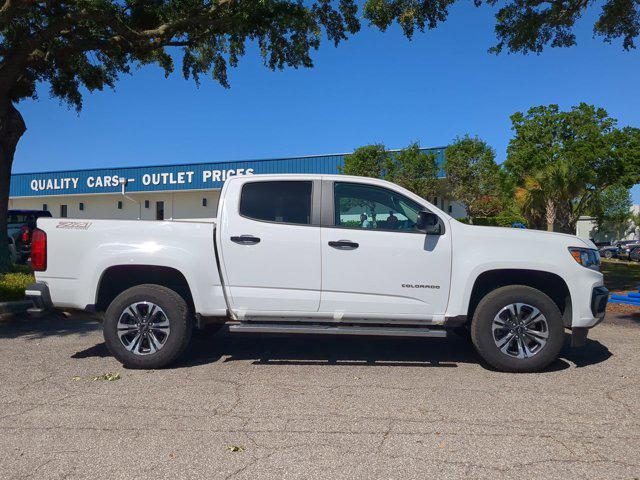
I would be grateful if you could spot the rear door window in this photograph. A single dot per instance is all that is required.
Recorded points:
(277, 201)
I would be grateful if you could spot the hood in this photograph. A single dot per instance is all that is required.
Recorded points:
(526, 235)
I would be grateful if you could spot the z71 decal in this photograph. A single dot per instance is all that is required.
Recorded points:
(74, 225)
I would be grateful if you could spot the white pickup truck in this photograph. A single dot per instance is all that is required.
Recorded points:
(328, 254)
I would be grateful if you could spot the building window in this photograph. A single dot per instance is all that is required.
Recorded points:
(204, 202)
(450, 208)
(119, 204)
(146, 204)
(45, 207)
(159, 210)
(63, 211)
(81, 206)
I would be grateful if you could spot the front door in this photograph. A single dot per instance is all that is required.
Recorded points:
(375, 263)
(271, 247)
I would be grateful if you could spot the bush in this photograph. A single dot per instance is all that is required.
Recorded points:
(507, 217)
(482, 221)
(351, 224)
(13, 285)
(504, 219)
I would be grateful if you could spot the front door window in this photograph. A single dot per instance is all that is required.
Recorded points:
(369, 207)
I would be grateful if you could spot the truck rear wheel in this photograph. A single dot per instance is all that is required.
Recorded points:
(147, 326)
(517, 329)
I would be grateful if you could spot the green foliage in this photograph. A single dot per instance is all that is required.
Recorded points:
(481, 221)
(89, 43)
(561, 161)
(523, 26)
(510, 215)
(13, 285)
(414, 170)
(367, 161)
(612, 209)
(473, 177)
(411, 167)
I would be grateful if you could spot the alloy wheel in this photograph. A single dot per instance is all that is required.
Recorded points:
(143, 328)
(520, 330)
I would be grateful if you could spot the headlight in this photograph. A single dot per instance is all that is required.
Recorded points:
(587, 257)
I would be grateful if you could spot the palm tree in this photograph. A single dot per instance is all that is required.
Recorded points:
(547, 196)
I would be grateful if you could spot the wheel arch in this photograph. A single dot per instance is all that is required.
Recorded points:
(117, 278)
(551, 284)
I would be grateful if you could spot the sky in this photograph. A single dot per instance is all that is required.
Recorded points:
(375, 88)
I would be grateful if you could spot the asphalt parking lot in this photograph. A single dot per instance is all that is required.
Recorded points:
(248, 406)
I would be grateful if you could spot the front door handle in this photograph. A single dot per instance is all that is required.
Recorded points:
(246, 240)
(344, 245)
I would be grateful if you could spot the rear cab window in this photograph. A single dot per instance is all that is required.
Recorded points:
(287, 201)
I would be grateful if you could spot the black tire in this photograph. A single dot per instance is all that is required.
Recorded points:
(608, 254)
(483, 337)
(177, 313)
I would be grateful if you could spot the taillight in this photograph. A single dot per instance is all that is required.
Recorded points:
(38, 250)
(25, 234)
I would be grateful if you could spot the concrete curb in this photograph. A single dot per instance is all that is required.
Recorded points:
(9, 309)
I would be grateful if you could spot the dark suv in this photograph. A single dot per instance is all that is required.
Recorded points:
(20, 224)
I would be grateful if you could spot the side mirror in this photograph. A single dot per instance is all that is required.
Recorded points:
(429, 223)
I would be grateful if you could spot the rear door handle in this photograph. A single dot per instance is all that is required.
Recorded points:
(344, 244)
(246, 240)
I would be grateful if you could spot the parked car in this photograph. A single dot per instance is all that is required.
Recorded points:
(321, 254)
(634, 254)
(20, 225)
(13, 252)
(625, 247)
(610, 251)
(601, 244)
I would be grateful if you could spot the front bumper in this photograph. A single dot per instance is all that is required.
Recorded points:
(599, 299)
(39, 294)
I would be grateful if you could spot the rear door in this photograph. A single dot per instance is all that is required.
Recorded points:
(270, 246)
(375, 263)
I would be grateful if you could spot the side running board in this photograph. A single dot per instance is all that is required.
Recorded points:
(251, 327)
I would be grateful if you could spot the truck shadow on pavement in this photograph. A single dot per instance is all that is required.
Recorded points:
(279, 349)
(48, 326)
(325, 350)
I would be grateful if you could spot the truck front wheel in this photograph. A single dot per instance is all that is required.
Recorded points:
(517, 329)
(147, 326)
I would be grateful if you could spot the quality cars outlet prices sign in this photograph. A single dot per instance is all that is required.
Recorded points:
(178, 177)
(85, 182)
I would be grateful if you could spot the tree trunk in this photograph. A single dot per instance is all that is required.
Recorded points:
(550, 214)
(11, 129)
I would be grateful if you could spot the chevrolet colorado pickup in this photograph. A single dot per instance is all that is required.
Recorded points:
(328, 254)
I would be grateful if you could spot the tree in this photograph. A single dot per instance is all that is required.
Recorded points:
(543, 192)
(411, 167)
(529, 26)
(415, 170)
(612, 210)
(473, 176)
(367, 161)
(560, 161)
(521, 25)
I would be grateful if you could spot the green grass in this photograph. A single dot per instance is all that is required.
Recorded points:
(620, 274)
(13, 284)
